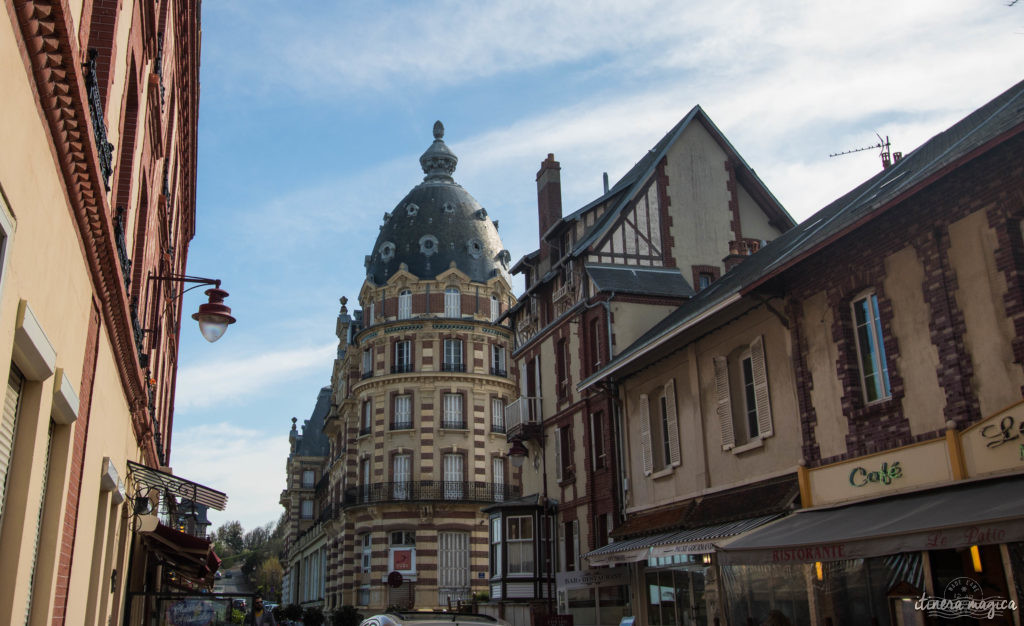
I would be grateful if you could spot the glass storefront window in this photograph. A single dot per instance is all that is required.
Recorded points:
(676, 595)
(581, 606)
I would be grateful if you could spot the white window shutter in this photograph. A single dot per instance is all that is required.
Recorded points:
(645, 434)
(558, 454)
(674, 454)
(764, 408)
(724, 407)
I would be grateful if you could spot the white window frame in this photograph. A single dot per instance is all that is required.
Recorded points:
(403, 355)
(367, 426)
(497, 415)
(876, 356)
(498, 478)
(306, 509)
(495, 308)
(311, 475)
(453, 352)
(454, 468)
(366, 552)
(403, 412)
(517, 537)
(454, 411)
(498, 361)
(367, 362)
(401, 475)
(726, 368)
(452, 302)
(496, 542)
(404, 304)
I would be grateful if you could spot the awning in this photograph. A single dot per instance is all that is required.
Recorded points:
(969, 513)
(186, 554)
(692, 541)
(176, 486)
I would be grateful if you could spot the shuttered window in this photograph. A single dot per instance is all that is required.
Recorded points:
(743, 402)
(495, 308)
(8, 426)
(453, 415)
(453, 566)
(646, 460)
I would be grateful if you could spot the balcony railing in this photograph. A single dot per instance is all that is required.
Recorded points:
(105, 148)
(402, 424)
(368, 374)
(454, 423)
(499, 371)
(364, 430)
(453, 367)
(401, 368)
(430, 490)
(523, 410)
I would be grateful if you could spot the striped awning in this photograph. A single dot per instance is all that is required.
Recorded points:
(176, 486)
(692, 541)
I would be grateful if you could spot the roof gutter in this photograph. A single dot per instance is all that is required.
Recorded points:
(663, 338)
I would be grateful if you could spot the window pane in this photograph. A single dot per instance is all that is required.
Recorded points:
(750, 398)
(452, 304)
(405, 305)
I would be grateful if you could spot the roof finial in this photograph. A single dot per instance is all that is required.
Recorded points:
(438, 161)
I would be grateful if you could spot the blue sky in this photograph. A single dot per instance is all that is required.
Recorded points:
(313, 116)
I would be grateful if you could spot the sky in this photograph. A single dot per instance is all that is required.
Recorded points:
(313, 116)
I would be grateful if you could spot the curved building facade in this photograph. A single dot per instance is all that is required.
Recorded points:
(417, 430)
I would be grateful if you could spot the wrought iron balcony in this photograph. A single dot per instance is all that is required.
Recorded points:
(368, 374)
(402, 368)
(453, 423)
(402, 424)
(364, 430)
(430, 491)
(453, 367)
(120, 223)
(499, 371)
(104, 148)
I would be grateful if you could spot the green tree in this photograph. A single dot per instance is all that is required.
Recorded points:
(231, 536)
(269, 576)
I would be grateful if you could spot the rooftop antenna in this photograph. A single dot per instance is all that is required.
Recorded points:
(883, 145)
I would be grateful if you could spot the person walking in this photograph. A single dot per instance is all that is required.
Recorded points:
(259, 617)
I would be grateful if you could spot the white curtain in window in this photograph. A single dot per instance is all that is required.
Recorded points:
(452, 302)
(405, 305)
(453, 476)
(453, 411)
(402, 475)
(495, 308)
(498, 473)
(403, 412)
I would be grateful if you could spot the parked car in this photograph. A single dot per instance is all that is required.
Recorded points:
(432, 618)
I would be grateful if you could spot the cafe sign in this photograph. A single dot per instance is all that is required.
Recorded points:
(899, 469)
(995, 445)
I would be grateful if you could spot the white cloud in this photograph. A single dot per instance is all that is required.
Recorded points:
(214, 382)
(246, 464)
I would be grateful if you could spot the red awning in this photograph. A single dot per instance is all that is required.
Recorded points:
(186, 554)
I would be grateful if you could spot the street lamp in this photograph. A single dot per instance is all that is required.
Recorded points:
(214, 317)
(517, 453)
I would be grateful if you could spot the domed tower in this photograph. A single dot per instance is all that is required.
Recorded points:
(419, 386)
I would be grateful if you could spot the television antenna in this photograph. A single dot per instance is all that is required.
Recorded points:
(883, 145)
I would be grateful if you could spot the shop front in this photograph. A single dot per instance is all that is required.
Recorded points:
(594, 596)
(671, 576)
(914, 535)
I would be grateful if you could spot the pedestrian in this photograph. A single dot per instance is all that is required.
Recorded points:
(259, 617)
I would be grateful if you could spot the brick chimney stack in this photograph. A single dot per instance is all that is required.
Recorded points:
(549, 199)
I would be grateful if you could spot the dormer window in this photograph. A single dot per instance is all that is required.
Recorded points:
(411, 209)
(428, 245)
(475, 248)
(448, 207)
(387, 251)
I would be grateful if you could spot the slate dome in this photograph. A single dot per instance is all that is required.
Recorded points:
(437, 223)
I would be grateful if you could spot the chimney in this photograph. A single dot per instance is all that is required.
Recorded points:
(549, 199)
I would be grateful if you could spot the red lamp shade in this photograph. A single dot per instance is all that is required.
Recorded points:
(214, 317)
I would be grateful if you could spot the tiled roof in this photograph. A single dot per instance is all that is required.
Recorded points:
(998, 120)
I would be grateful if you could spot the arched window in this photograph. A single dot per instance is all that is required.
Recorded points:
(452, 302)
(404, 304)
